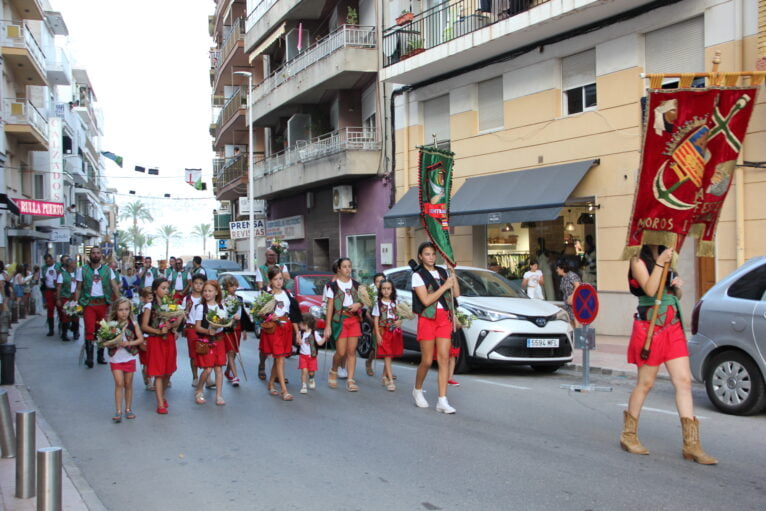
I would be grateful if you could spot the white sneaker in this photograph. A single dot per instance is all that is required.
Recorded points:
(420, 401)
(312, 384)
(342, 373)
(304, 389)
(195, 382)
(442, 405)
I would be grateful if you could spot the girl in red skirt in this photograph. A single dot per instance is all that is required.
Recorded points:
(233, 335)
(388, 331)
(160, 344)
(343, 321)
(212, 339)
(668, 347)
(122, 358)
(188, 303)
(285, 319)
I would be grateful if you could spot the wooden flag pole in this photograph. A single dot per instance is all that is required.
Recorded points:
(655, 310)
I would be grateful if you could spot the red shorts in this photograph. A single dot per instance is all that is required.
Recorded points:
(352, 327)
(161, 355)
(668, 342)
(232, 339)
(440, 327)
(307, 362)
(216, 357)
(280, 343)
(392, 345)
(92, 315)
(191, 340)
(128, 367)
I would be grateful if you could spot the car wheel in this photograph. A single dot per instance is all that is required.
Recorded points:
(364, 346)
(546, 369)
(462, 365)
(734, 384)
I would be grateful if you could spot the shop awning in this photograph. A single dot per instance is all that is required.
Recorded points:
(522, 196)
(273, 38)
(406, 212)
(27, 233)
(8, 204)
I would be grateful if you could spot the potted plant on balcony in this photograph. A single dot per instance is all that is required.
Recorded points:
(405, 17)
(414, 46)
(352, 16)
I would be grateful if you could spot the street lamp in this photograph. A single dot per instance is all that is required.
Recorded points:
(251, 256)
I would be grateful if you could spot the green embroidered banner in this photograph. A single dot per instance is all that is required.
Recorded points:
(435, 180)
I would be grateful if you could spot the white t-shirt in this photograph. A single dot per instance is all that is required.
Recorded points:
(198, 314)
(390, 309)
(179, 284)
(97, 290)
(122, 355)
(72, 283)
(533, 278)
(148, 278)
(146, 306)
(305, 341)
(417, 281)
(283, 304)
(345, 287)
(50, 278)
(195, 300)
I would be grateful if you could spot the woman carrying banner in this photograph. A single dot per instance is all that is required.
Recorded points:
(668, 347)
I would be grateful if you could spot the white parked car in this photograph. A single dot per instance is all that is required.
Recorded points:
(509, 327)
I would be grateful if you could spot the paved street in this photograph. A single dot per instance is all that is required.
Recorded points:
(517, 442)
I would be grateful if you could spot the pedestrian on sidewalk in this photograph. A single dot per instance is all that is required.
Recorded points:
(668, 347)
(433, 290)
(343, 321)
(307, 363)
(37, 295)
(280, 332)
(213, 356)
(160, 344)
(189, 302)
(387, 326)
(570, 280)
(50, 274)
(122, 358)
(233, 335)
(96, 289)
(533, 281)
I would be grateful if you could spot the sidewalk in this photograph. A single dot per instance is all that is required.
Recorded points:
(75, 491)
(610, 358)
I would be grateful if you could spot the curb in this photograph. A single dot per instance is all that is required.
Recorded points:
(71, 470)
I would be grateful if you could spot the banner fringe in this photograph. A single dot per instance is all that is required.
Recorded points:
(706, 249)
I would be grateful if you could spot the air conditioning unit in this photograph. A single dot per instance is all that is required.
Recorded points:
(343, 198)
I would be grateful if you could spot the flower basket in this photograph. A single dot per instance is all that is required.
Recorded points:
(405, 18)
(169, 310)
(269, 327)
(109, 334)
(263, 305)
(218, 318)
(364, 296)
(72, 309)
(404, 310)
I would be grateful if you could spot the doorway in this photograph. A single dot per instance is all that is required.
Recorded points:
(321, 254)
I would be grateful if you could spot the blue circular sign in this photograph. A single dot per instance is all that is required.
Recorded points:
(585, 304)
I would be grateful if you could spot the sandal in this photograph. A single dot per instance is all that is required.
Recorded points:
(261, 372)
(391, 387)
(219, 401)
(370, 371)
(117, 417)
(273, 391)
(287, 396)
(351, 386)
(384, 381)
(332, 380)
(129, 414)
(199, 398)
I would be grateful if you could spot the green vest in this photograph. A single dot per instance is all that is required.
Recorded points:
(87, 283)
(171, 275)
(154, 272)
(264, 274)
(66, 285)
(430, 311)
(668, 300)
(337, 306)
(44, 269)
(384, 320)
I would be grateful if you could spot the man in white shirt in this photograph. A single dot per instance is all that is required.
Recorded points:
(49, 274)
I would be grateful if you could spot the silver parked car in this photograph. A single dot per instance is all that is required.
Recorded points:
(728, 345)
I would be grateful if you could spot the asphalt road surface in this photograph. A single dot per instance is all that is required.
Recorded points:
(518, 441)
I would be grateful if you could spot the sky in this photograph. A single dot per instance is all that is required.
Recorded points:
(148, 63)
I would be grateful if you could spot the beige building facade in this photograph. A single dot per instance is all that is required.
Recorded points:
(559, 83)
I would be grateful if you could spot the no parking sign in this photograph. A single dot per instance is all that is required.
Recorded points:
(585, 304)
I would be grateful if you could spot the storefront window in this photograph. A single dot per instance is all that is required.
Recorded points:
(361, 251)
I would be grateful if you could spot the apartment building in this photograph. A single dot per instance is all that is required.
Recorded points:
(541, 102)
(53, 186)
(316, 112)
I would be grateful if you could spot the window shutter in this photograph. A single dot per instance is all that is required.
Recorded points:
(679, 48)
(368, 102)
(436, 119)
(578, 70)
(491, 104)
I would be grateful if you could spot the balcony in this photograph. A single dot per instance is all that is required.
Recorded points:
(230, 177)
(454, 35)
(59, 69)
(349, 152)
(231, 56)
(230, 125)
(73, 166)
(25, 123)
(22, 53)
(29, 9)
(87, 222)
(266, 15)
(221, 226)
(346, 54)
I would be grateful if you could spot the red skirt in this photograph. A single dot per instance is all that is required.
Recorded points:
(215, 357)
(232, 339)
(280, 343)
(392, 344)
(668, 341)
(142, 355)
(191, 340)
(161, 355)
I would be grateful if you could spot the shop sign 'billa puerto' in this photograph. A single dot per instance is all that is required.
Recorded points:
(435, 180)
(692, 138)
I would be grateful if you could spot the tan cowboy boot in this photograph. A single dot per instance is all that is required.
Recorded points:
(692, 449)
(629, 437)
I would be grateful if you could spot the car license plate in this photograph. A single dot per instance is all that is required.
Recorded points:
(542, 343)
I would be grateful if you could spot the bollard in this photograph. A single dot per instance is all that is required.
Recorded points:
(7, 362)
(7, 438)
(49, 479)
(25, 454)
(32, 307)
(22, 310)
(5, 325)
(14, 311)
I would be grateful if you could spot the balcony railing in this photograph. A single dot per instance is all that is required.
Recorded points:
(237, 101)
(234, 33)
(260, 8)
(345, 36)
(346, 139)
(444, 22)
(87, 222)
(22, 111)
(229, 169)
(59, 62)
(16, 34)
(73, 165)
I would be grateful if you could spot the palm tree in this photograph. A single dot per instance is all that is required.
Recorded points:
(167, 233)
(202, 231)
(136, 235)
(136, 211)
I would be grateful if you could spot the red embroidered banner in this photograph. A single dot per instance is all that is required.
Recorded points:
(692, 138)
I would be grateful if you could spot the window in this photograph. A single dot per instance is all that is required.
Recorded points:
(401, 279)
(39, 186)
(751, 286)
(361, 251)
(436, 119)
(578, 81)
(491, 104)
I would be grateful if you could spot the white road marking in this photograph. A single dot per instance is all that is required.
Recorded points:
(507, 385)
(648, 408)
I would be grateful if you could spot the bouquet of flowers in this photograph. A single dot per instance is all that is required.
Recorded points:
(72, 310)
(218, 318)
(366, 295)
(264, 305)
(464, 319)
(404, 310)
(279, 246)
(109, 334)
(372, 293)
(169, 310)
(231, 304)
